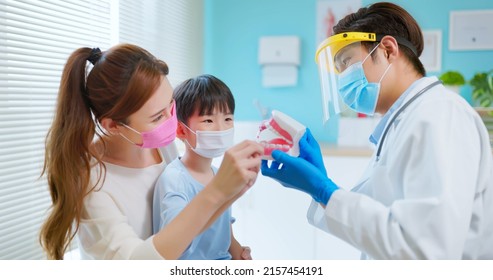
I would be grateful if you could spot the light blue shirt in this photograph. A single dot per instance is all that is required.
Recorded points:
(377, 132)
(175, 188)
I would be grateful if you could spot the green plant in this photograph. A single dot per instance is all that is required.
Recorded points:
(452, 78)
(482, 88)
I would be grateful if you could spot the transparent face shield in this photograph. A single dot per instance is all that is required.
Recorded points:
(333, 56)
(328, 84)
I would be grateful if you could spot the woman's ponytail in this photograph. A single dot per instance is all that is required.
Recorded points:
(68, 157)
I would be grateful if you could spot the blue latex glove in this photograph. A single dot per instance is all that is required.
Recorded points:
(310, 151)
(299, 174)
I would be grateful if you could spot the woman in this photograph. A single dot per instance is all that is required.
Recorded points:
(427, 193)
(102, 186)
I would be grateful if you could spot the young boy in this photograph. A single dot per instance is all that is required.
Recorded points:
(204, 108)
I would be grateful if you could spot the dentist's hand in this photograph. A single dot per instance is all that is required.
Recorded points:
(310, 151)
(299, 174)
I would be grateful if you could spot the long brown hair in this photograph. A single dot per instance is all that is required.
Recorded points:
(387, 19)
(120, 82)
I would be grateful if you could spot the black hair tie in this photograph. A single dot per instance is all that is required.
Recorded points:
(94, 56)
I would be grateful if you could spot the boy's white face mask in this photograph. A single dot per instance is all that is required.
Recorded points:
(211, 144)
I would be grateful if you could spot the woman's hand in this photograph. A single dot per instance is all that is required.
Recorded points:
(237, 173)
(238, 170)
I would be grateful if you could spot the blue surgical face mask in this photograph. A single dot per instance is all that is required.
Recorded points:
(356, 91)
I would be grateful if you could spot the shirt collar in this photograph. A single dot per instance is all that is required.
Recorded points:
(377, 132)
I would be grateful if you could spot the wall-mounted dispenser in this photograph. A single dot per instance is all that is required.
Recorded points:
(279, 57)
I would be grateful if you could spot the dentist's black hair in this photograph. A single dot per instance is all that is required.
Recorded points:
(203, 94)
(386, 18)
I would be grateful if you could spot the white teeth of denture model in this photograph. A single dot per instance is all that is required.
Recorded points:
(280, 132)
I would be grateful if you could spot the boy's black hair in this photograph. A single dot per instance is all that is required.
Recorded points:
(203, 94)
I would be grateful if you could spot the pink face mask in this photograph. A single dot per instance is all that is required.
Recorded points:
(160, 136)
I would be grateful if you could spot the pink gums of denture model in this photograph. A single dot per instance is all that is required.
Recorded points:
(280, 132)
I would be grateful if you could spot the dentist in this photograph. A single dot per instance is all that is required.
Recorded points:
(427, 192)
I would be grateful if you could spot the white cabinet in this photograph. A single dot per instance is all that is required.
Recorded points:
(345, 172)
(272, 220)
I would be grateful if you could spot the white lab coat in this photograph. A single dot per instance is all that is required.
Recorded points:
(430, 196)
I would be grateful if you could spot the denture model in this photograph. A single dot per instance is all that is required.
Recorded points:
(280, 132)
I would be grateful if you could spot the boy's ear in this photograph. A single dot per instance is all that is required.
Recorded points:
(181, 131)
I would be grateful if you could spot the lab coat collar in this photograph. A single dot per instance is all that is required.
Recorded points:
(418, 84)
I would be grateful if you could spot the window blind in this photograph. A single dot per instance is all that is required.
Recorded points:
(171, 30)
(36, 38)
